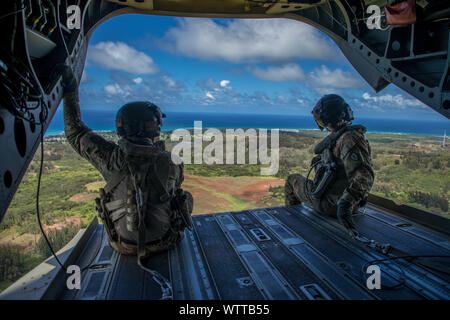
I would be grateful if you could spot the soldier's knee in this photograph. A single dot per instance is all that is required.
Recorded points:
(294, 179)
(288, 185)
(290, 179)
(291, 189)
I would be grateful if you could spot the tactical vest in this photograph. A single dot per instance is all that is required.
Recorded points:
(141, 203)
(329, 173)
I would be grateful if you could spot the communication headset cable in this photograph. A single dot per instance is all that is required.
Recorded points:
(37, 200)
(402, 280)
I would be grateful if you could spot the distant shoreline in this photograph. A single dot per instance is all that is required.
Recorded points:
(61, 133)
(104, 121)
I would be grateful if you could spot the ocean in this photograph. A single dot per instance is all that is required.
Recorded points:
(103, 120)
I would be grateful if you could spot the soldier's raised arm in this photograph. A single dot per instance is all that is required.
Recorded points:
(102, 154)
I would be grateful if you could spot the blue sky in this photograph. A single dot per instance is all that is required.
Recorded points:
(227, 65)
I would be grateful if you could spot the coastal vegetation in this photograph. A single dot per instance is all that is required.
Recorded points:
(411, 170)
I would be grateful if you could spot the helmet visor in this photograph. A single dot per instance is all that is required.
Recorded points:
(319, 123)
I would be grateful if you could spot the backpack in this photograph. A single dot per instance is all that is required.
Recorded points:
(136, 205)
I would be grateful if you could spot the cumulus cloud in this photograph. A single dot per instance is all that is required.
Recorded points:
(389, 100)
(335, 79)
(209, 95)
(165, 91)
(287, 72)
(137, 80)
(160, 90)
(169, 82)
(211, 84)
(212, 93)
(117, 90)
(120, 56)
(247, 40)
(224, 83)
(215, 90)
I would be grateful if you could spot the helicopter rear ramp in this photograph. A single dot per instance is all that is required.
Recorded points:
(273, 253)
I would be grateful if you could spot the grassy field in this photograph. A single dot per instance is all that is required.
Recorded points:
(409, 169)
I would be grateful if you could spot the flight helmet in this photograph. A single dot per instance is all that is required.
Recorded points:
(332, 110)
(139, 119)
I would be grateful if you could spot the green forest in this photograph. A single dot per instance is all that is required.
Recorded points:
(412, 170)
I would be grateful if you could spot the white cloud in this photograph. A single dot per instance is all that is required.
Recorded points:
(137, 80)
(224, 83)
(120, 56)
(115, 89)
(287, 72)
(213, 94)
(211, 84)
(247, 40)
(324, 78)
(169, 81)
(210, 96)
(397, 100)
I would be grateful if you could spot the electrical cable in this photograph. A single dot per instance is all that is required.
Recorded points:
(308, 193)
(37, 201)
(23, 83)
(166, 288)
(18, 87)
(13, 36)
(11, 13)
(402, 280)
(38, 211)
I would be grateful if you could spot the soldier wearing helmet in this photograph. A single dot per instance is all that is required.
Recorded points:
(343, 165)
(143, 208)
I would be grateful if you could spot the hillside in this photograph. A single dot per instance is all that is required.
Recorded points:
(413, 170)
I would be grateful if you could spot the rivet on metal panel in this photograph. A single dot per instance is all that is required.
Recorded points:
(344, 265)
(244, 282)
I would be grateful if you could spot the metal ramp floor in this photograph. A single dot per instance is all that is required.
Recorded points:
(273, 253)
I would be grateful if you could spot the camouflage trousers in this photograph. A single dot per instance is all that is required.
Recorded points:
(166, 243)
(295, 194)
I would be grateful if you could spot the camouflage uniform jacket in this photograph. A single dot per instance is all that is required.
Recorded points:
(109, 159)
(354, 173)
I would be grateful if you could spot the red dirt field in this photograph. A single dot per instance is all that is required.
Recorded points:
(27, 240)
(214, 194)
(84, 197)
(205, 201)
(220, 194)
(65, 222)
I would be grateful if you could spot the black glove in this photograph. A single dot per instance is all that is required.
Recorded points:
(344, 214)
(69, 82)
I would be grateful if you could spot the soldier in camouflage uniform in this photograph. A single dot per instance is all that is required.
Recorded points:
(343, 166)
(142, 204)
